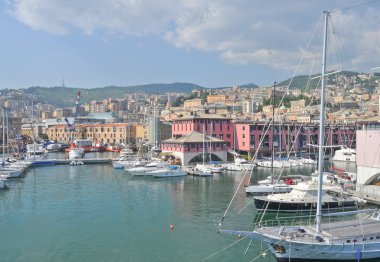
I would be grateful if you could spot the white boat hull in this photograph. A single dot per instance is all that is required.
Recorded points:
(76, 153)
(168, 173)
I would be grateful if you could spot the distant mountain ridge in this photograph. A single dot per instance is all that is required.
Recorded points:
(65, 96)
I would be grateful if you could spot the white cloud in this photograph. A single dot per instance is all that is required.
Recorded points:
(267, 32)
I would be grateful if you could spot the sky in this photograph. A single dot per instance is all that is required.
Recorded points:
(212, 43)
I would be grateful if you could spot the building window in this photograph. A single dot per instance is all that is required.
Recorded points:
(228, 136)
(243, 143)
(243, 135)
(243, 128)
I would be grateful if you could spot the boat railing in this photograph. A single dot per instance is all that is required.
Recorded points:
(310, 220)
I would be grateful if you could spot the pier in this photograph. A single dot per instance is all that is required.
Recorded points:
(363, 196)
(67, 161)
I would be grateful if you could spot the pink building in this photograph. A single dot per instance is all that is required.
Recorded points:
(286, 135)
(192, 146)
(210, 124)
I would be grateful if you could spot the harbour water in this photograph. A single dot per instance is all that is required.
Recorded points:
(97, 213)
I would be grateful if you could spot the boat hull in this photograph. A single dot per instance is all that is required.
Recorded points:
(325, 252)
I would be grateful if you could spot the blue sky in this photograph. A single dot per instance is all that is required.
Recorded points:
(95, 43)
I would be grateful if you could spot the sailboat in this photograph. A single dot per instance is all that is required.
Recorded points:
(272, 187)
(203, 169)
(344, 236)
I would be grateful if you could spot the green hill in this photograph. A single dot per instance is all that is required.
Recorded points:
(301, 81)
(65, 96)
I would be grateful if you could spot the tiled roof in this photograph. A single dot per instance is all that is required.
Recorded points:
(193, 137)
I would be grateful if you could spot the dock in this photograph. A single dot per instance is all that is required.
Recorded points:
(47, 162)
(368, 198)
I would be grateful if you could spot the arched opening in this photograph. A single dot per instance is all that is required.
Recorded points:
(199, 158)
(374, 180)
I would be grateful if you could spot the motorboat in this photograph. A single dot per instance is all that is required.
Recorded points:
(268, 163)
(147, 169)
(35, 151)
(240, 164)
(126, 152)
(127, 162)
(53, 147)
(303, 197)
(11, 173)
(76, 153)
(169, 171)
(345, 154)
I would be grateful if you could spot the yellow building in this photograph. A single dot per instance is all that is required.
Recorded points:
(60, 133)
(192, 103)
(111, 133)
(211, 99)
(142, 133)
(37, 130)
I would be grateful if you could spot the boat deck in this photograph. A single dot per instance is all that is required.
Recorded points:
(354, 230)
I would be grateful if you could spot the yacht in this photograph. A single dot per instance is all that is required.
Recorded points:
(345, 154)
(128, 162)
(11, 173)
(268, 163)
(126, 152)
(303, 197)
(146, 170)
(240, 164)
(35, 152)
(76, 153)
(169, 171)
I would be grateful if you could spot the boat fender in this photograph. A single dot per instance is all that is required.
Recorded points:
(358, 254)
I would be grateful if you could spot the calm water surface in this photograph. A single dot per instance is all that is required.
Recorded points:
(97, 213)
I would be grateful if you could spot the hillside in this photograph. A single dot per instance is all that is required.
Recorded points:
(301, 80)
(65, 96)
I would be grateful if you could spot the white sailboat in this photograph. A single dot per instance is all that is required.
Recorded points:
(349, 237)
(5, 171)
(203, 169)
(273, 186)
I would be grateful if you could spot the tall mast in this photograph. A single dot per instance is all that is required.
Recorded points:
(321, 129)
(3, 135)
(273, 103)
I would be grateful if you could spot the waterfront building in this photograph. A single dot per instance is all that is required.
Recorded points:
(368, 160)
(215, 125)
(190, 148)
(288, 136)
(109, 133)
